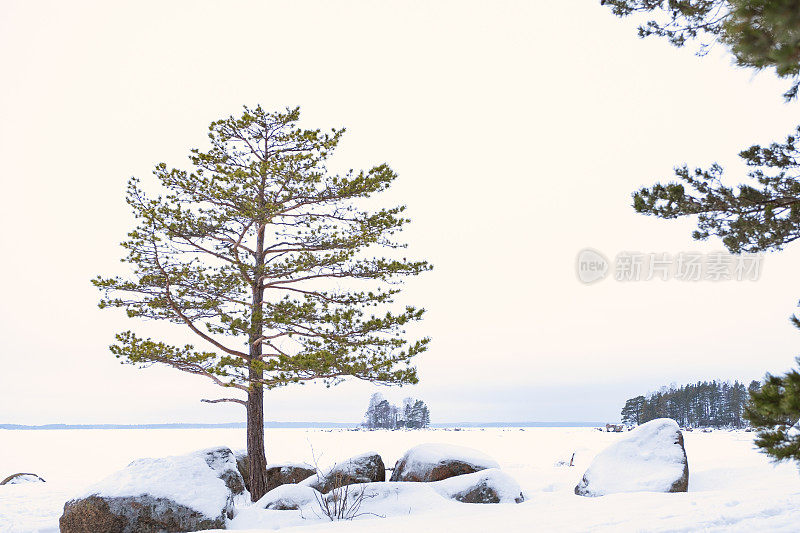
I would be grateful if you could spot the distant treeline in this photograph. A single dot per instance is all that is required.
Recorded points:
(701, 404)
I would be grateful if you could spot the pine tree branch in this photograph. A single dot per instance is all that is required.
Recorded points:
(220, 400)
(184, 318)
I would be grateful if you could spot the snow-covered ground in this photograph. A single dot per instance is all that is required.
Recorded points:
(732, 487)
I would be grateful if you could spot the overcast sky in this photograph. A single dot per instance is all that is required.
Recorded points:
(518, 129)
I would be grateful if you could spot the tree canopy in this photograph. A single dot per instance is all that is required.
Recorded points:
(196, 258)
(761, 34)
(775, 410)
(759, 215)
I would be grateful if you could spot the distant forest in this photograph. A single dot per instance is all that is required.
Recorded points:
(701, 404)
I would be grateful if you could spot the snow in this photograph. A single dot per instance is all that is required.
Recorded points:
(185, 479)
(24, 478)
(646, 459)
(732, 487)
(312, 480)
(284, 494)
(380, 500)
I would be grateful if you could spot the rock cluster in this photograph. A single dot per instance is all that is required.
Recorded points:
(197, 491)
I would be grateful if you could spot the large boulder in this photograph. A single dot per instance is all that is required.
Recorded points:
(181, 493)
(288, 497)
(434, 462)
(364, 468)
(486, 486)
(649, 458)
(288, 473)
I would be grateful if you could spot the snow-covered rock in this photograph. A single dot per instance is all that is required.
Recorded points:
(487, 486)
(20, 478)
(179, 493)
(650, 458)
(223, 462)
(243, 466)
(365, 468)
(434, 462)
(288, 497)
(277, 474)
(133, 514)
(288, 473)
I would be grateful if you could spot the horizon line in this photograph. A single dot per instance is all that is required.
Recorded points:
(288, 425)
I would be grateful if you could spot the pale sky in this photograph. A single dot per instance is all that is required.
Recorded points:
(518, 129)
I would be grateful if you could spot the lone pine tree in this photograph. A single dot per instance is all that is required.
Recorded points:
(269, 259)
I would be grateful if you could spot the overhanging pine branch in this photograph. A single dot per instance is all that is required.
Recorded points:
(221, 400)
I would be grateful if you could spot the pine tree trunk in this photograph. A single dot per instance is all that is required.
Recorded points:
(255, 397)
(255, 442)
